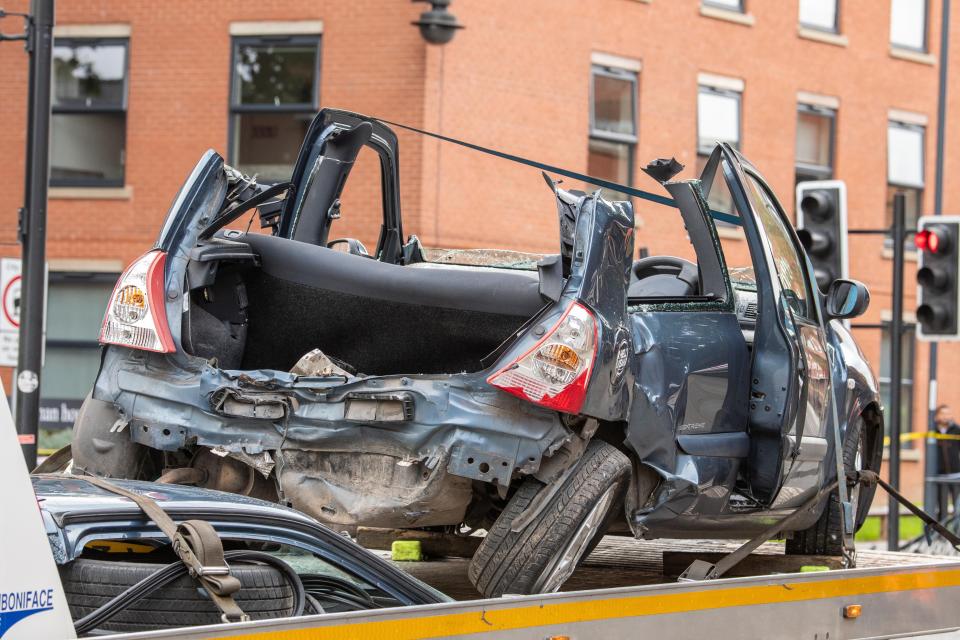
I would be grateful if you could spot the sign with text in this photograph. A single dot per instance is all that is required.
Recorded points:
(9, 311)
(10, 279)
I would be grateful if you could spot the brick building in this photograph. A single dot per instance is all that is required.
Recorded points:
(805, 88)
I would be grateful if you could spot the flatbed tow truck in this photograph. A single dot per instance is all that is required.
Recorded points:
(625, 589)
(889, 595)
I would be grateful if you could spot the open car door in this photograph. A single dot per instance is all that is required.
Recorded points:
(790, 372)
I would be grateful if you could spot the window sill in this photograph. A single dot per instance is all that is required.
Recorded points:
(906, 455)
(90, 193)
(826, 37)
(909, 255)
(913, 56)
(728, 233)
(736, 17)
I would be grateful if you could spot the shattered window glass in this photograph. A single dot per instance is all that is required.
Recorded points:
(791, 269)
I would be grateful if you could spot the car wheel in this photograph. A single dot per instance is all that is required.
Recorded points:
(88, 584)
(824, 536)
(541, 557)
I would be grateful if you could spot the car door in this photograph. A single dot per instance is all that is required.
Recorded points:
(790, 372)
(330, 149)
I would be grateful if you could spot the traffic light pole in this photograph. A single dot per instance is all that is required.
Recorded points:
(34, 228)
(930, 500)
(896, 370)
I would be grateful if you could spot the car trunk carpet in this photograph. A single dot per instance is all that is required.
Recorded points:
(376, 337)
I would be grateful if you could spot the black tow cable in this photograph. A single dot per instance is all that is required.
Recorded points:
(175, 570)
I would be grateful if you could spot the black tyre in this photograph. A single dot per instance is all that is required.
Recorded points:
(541, 556)
(824, 536)
(88, 584)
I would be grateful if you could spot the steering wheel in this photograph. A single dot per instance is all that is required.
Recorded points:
(683, 270)
(348, 245)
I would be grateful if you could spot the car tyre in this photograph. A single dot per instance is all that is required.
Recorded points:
(540, 557)
(824, 536)
(89, 584)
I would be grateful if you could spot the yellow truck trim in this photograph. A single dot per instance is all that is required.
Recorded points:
(502, 618)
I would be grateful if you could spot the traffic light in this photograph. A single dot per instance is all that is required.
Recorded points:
(938, 242)
(822, 228)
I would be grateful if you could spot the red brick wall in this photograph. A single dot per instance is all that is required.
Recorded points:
(517, 78)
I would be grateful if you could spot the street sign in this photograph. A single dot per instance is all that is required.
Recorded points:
(9, 311)
(10, 279)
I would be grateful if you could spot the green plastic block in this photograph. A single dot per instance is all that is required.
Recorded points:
(809, 568)
(406, 551)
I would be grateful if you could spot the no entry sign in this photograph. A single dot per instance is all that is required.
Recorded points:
(10, 280)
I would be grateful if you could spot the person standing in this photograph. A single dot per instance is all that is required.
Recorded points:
(948, 458)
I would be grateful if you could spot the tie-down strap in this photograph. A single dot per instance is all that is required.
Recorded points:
(197, 545)
(870, 477)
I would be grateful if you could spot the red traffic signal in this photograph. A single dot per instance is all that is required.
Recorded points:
(933, 239)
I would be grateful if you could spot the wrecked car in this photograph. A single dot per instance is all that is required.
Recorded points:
(287, 564)
(406, 388)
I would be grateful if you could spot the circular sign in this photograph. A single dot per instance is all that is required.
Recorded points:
(28, 381)
(11, 301)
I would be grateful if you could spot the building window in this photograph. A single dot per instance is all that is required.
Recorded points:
(75, 304)
(820, 14)
(273, 99)
(905, 169)
(815, 141)
(613, 126)
(88, 122)
(908, 24)
(732, 5)
(718, 120)
(906, 389)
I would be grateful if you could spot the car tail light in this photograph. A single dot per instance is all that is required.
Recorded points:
(135, 316)
(555, 372)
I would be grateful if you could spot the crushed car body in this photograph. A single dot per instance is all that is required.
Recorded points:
(413, 387)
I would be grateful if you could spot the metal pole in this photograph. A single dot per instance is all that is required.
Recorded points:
(896, 370)
(930, 451)
(34, 244)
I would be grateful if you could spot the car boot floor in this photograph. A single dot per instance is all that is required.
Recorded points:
(624, 562)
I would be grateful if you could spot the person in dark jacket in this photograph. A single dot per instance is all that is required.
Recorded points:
(948, 458)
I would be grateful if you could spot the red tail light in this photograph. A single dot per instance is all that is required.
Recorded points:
(135, 316)
(555, 372)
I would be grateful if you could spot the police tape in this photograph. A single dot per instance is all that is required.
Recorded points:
(920, 435)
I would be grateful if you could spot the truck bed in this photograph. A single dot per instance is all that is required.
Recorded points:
(621, 562)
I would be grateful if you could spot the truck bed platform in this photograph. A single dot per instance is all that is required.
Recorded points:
(620, 561)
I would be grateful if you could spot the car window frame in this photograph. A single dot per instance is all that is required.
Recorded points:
(812, 307)
(262, 527)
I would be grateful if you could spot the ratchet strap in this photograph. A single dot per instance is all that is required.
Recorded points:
(197, 545)
(870, 478)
